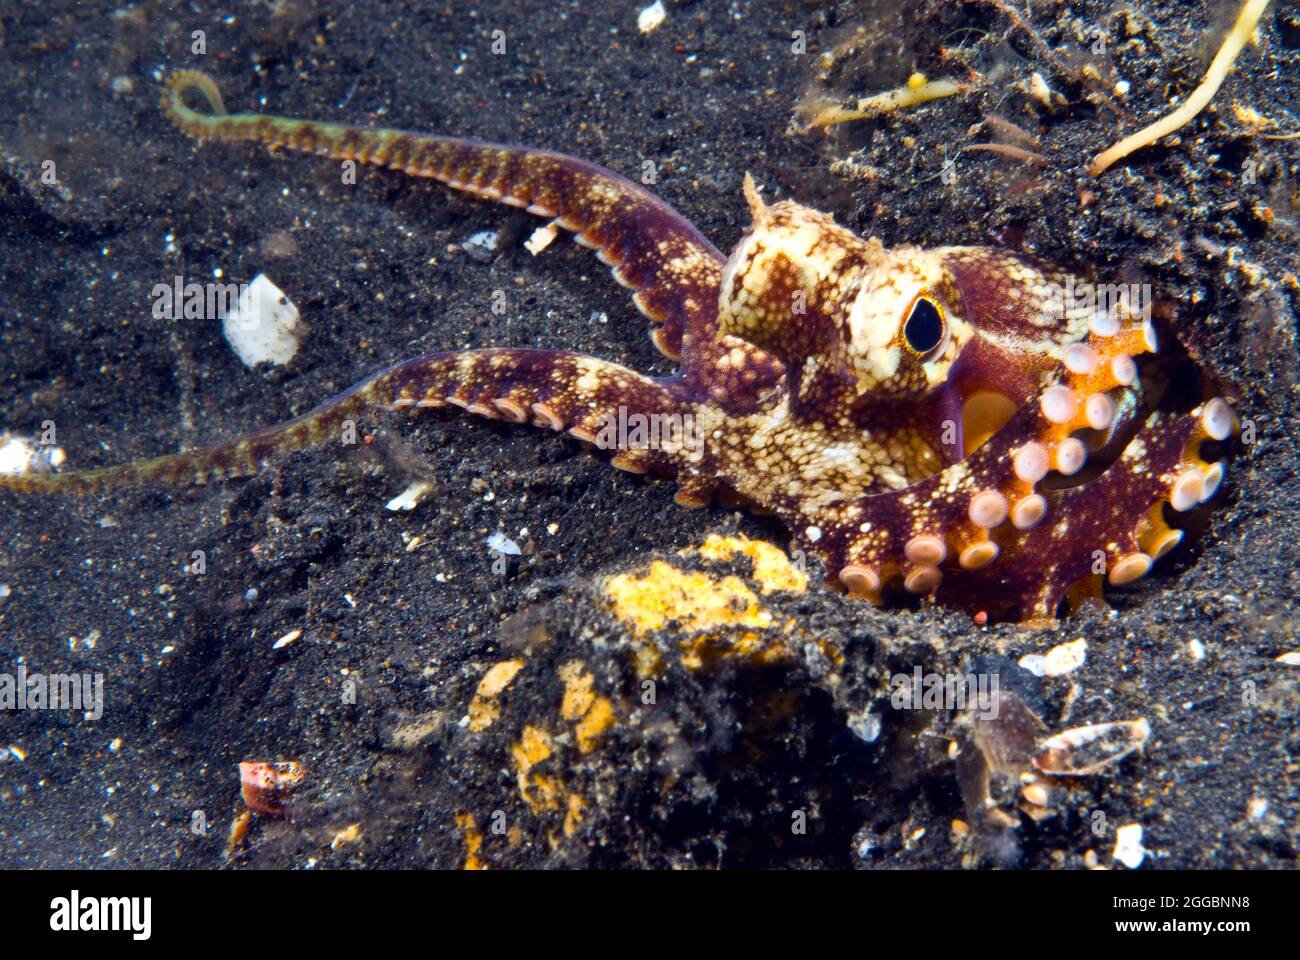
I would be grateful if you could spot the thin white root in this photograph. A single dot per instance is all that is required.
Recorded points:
(1237, 38)
(916, 91)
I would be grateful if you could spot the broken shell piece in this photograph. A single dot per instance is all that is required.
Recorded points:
(652, 17)
(265, 784)
(410, 498)
(541, 239)
(1040, 91)
(264, 326)
(1065, 658)
(1084, 751)
(1036, 794)
(1035, 663)
(503, 544)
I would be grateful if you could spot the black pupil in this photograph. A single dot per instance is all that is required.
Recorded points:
(924, 327)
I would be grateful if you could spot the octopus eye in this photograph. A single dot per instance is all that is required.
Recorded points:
(924, 328)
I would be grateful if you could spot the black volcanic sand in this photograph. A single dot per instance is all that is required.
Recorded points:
(714, 772)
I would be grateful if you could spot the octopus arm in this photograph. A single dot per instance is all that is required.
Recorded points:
(672, 270)
(599, 402)
(987, 534)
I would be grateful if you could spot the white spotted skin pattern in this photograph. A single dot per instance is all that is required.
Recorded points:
(887, 404)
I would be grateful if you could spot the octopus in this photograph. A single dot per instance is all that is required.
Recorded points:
(952, 423)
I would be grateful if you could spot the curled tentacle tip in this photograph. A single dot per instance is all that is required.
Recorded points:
(180, 83)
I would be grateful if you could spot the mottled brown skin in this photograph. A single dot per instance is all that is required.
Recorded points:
(898, 409)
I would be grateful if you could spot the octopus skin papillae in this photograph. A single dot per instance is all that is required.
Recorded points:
(938, 422)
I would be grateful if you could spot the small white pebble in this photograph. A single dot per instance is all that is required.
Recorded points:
(652, 17)
(1065, 658)
(1196, 649)
(1122, 87)
(1256, 808)
(1128, 845)
(865, 726)
(287, 639)
(1291, 659)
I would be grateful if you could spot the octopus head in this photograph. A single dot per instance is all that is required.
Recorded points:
(890, 323)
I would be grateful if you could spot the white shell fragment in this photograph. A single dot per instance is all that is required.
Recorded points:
(19, 455)
(410, 498)
(1291, 659)
(1065, 658)
(651, 17)
(287, 639)
(503, 544)
(1084, 751)
(263, 327)
(541, 239)
(865, 725)
(482, 246)
(1128, 845)
(1035, 663)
